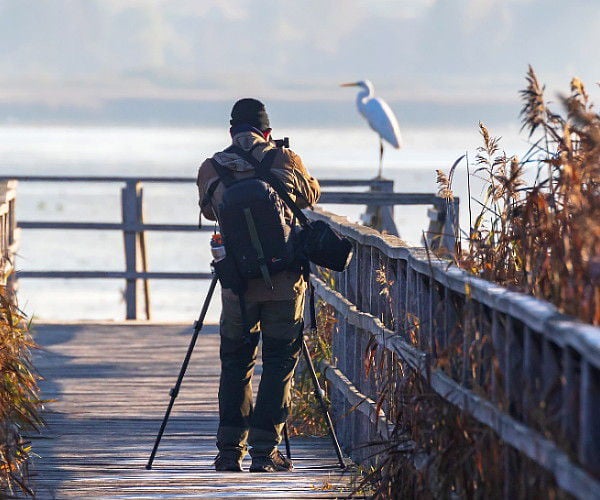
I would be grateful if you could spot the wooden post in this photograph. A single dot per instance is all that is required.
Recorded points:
(513, 366)
(571, 406)
(498, 339)
(143, 254)
(381, 217)
(589, 437)
(551, 385)
(438, 316)
(399, 296)
(532, 367)
(443, 228)
(129, 210)
(412, 327)
(9, 235)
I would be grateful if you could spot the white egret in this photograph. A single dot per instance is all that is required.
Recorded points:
(379, 115)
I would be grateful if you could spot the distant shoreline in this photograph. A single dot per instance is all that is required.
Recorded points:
(185, 113)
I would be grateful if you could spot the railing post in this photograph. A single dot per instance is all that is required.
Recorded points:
(443, 231)
(143, 253)
(381, 217)
(129, 209)
(9, 236)
(589, 437)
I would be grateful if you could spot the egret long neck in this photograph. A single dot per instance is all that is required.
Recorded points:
(365, 93)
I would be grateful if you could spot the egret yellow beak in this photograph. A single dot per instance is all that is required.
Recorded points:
(353, 84)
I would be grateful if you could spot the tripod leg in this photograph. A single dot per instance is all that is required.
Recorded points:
(286, 437)
(319, 393)
(175, 390)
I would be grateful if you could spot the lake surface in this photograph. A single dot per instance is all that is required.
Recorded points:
(59, 150)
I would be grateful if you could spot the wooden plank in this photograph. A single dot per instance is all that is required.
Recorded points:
(569, 476)
(377, 198)
(536, 314)
(166, 275)
(167, 180)
(92, 178)
(110, 386)
(359, 401)
(113, 226)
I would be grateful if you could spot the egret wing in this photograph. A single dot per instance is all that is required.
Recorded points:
(382, 120)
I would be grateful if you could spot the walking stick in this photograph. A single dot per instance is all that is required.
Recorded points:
(175, 390)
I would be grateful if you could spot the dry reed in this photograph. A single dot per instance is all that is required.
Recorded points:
(306, 415)
(19, 399)
(542, 239)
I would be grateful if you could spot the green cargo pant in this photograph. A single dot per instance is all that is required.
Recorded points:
(240, 422)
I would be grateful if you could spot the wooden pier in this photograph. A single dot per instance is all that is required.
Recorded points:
(109, 386)
(513, 364)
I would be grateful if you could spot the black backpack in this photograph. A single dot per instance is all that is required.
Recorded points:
(259, 242)
(258, 239)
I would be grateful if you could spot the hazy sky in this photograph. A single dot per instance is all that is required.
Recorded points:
(85, 52)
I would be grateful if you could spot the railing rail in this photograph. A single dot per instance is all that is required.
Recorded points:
(539, 388)
(380, 200)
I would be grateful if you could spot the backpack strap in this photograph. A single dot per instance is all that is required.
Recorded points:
(263, 171)
(225, 176)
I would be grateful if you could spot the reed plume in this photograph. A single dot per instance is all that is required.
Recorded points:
(543, 239)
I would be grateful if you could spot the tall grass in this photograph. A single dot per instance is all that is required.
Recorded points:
(542, 238)
(537, 230)
(19, 399)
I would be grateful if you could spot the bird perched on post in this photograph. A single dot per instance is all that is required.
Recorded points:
(379, 115)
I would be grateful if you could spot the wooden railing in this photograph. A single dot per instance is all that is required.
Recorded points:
(8, 230)
(536, 382)
(380, 199)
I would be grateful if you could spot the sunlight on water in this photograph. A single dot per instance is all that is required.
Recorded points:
(100, 151)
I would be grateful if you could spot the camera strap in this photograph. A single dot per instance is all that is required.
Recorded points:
(263, 171)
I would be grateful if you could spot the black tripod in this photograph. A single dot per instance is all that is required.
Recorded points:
(174, 392)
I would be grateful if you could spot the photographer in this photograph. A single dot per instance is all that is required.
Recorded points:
(273, 307)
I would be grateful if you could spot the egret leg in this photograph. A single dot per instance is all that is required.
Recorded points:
(380, 158)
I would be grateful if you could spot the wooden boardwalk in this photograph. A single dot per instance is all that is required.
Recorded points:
(109, 387)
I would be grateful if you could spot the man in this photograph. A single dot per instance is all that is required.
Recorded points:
(277, 313)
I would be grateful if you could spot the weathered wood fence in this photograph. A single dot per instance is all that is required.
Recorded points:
(511, 361)
(8, 230)
(380, 200)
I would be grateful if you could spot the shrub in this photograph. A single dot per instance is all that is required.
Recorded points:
(19, 401)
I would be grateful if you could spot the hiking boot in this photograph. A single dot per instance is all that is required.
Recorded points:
(275, 462)
(224, 463)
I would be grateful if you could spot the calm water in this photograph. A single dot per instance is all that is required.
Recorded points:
(328, 153)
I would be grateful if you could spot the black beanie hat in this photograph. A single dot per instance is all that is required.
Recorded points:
(250, 111)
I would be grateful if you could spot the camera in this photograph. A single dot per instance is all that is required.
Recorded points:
(282, 143)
